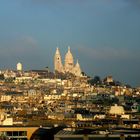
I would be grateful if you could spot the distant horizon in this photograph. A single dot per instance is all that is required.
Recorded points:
(52, 70)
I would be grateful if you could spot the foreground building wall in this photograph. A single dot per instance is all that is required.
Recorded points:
(18, 132)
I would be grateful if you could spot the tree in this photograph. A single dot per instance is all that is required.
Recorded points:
(1, 77)
(95, 81)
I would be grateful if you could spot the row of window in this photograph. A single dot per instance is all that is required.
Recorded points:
(14, 133)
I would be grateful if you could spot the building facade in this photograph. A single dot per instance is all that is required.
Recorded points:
(19, 67)
(69, 66)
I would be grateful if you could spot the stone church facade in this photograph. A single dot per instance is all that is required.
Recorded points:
(68, 66)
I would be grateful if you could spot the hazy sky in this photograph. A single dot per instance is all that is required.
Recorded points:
(103, 34)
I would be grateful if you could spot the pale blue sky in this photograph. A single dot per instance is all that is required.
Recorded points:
(103, 34)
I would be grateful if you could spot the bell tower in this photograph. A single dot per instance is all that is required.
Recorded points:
(57, 61)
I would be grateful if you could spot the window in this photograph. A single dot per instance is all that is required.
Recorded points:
(9, 133)
(22, 133)
(15, 133)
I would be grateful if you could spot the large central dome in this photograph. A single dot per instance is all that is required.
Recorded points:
(68, 56)
(68, 60)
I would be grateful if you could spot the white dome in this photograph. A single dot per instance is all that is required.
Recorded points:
(69, 63)
(77, 69)
(19, 66)
(69, 57)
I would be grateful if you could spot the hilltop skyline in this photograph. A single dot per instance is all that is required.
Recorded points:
(103, 35)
